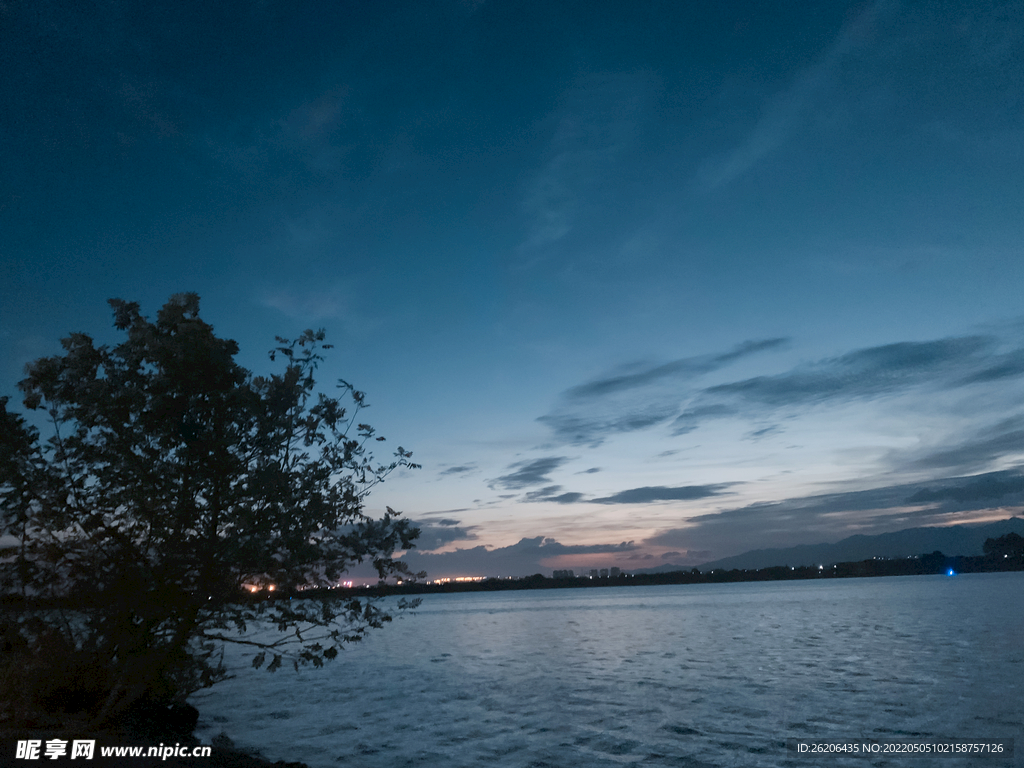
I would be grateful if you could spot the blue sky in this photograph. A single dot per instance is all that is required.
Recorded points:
(636, 282)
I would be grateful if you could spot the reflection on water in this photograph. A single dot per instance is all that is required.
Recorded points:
(713, 674)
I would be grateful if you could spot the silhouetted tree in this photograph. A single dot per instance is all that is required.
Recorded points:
(174, 478)
(1008, 545)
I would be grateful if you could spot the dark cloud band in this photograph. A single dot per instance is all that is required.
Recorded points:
(650, 494)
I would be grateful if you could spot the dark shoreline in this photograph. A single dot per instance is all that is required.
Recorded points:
(931, 564)
(935, 563)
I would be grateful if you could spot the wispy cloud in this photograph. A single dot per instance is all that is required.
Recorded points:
(593, 428)
(311, 139)
(553, 493)
(598, 121)
(682, 369)
(460, 469)
(760, 434)
(671, 395)
(650, 494)
(869, 372)
(589, 412)
(645, 495)
(529, 473)
(782, 114)
(691, 418)
(1000, 367)
(974, 452)
(305, 304)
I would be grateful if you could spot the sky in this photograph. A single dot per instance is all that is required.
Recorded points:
(636, 282)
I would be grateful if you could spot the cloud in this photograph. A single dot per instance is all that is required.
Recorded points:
(647, 495)
(978, 451)
(592, 429)
(1001, 367)
(551, 493)
(689, 555)
(317, 119)
(684, 368)
(521, 558)
(868, 372)
(306, 305)
(833, 516)
(596, 123)
(566, 498)
(871, 373)
(434, 534)
(782, 114)
(984, 488)
(670, 394)
(458, 470)
(758, 434)
(529, 473)
(590, 412)
(692, 418)
(650, 494)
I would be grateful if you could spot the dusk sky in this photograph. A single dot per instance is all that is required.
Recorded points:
(636, 282)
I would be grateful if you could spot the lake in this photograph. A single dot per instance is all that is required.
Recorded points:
(688, 675)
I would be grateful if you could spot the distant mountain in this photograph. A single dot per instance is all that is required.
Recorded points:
(666, 568)
(951, 540)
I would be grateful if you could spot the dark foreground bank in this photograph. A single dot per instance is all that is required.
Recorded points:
(25, 748)
(167, 734)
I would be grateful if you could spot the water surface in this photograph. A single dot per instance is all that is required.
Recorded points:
(687, 675)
